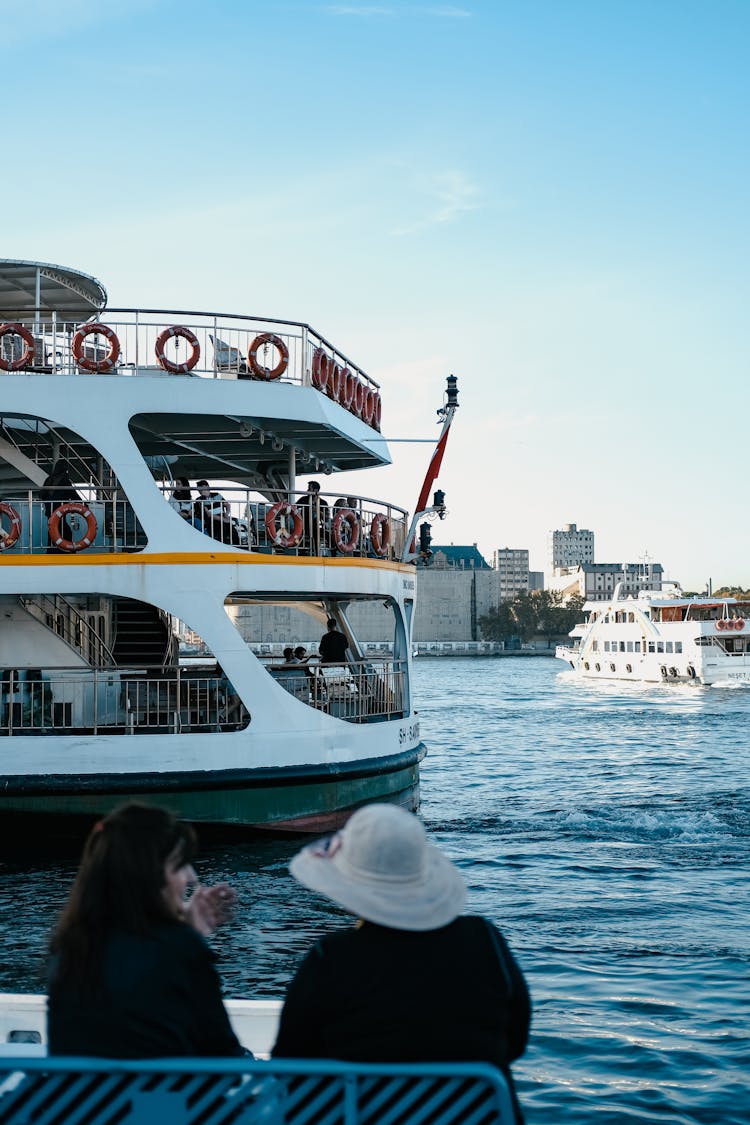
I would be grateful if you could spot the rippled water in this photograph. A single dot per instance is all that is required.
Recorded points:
(606, 829)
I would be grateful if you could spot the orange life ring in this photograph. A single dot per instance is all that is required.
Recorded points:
(348, 517)
(9, 538)
(252, 356)
(380, 534)
(359, 397)
(96, 365)
(346, 389)
(334, 381)
(378, 412)
(169, 364)
(721, 624)
(368, 408)
(28, 352)
(276, 533)
(54, 526)
(739, 623)
(320, 365)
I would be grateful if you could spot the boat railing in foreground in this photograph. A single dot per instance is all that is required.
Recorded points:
(133, 342)
(102, 520)
(175, 700)
(249, 1092)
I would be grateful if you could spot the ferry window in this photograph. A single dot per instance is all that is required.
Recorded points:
(595, 646)
(606, 646)
(651, 646)
(631, 618)
(622, 646)
(678, 646)
(630, 646)
(660, 646)
(669, 646)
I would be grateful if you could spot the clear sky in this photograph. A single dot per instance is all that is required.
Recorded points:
(548, 198)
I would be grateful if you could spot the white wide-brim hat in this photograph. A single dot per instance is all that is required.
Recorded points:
(382, 868)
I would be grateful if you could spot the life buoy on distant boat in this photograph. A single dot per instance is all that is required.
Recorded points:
(9, 538)
(722, 623)
(258, 369)
(107, 362)
(333, 390)
(346, 545)
(278, 535)
(359, 397)
(26, 355)
(739, 623)
(380, 534)
(691, 671)
(368, 407)
(54, 526)
(663, 671)
(673, 672)
(170, 364)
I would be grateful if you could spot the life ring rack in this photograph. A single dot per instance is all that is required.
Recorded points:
(12, 329)
(8, 539)
(348, 517)
(380, 534)
(54, 527)
(276, 533)
(106, 363)
(179, 332)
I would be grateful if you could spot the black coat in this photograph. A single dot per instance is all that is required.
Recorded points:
(374, 994)
(159, 996)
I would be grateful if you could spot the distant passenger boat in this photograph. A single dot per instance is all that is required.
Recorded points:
(661, 638)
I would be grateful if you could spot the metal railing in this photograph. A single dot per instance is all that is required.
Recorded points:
(64, 619)
(216, 345)
(360, 691)
(327, 525)
(60, 701)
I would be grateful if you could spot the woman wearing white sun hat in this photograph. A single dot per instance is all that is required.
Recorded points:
(413, 981)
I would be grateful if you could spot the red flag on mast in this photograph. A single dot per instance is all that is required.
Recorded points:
(433, 469)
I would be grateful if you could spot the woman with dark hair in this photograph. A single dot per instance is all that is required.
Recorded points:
(130, 974)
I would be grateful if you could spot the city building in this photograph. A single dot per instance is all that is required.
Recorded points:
(512, 567)
(597, 581)
(569, 547)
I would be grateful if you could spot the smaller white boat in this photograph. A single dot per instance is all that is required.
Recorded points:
(661, 637)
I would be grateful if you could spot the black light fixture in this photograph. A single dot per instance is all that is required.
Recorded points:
(451, 391)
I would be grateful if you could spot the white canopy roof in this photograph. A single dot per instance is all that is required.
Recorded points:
(24, 286)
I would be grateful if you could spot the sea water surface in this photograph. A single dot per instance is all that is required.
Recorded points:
(605, 829)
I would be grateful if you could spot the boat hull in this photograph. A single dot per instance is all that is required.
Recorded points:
(309, 799)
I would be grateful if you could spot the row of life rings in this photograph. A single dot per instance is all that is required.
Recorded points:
(345, 529)
(54, 527)
(108, 361)
(343, 386)
(737, 623)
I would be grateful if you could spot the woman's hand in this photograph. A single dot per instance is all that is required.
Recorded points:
(210, 907)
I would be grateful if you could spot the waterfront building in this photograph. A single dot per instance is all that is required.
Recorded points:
(570, 546)
(596, 581)
(512, 567)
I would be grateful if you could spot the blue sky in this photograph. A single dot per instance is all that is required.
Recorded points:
(549, 199)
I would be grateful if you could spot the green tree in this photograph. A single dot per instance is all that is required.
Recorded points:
(498, 624)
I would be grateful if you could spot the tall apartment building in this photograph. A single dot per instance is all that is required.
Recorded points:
(570, 546)
(512, 568)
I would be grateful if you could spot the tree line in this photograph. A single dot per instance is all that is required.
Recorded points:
(530, 613)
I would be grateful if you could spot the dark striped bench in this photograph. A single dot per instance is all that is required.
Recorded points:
(67, 1091)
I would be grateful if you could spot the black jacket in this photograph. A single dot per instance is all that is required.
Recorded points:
(374, 994)
(159, 996)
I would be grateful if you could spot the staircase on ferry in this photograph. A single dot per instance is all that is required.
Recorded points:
(142, 635)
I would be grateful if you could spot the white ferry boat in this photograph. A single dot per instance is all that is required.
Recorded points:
(659, 637)
(108, 421)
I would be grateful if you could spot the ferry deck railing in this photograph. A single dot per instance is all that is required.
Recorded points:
(244, 527)
(174, 700)
(48, 1091)
(224, 344)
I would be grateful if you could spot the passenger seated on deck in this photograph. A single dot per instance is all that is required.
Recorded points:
(130, 975)
(411, 981)
(214, 515)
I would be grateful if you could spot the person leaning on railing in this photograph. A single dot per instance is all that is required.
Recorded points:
(130, 974)
(413, 981)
